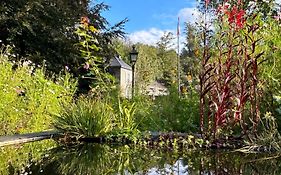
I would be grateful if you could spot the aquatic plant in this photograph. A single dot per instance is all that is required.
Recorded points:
(89, 117)
(125, 118)
(125, 123)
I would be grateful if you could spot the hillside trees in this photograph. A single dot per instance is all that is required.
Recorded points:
(148, 68)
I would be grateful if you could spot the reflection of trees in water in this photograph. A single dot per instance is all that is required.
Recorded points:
(91, 159)
(227, 162)
(103, 159)
(14, 157)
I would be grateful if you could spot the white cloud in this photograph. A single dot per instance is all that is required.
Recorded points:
(189, 14)
(278, 1)
(150, 36)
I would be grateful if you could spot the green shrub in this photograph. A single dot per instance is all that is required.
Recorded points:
(94, 117)
(143, 112)
(125, 117)
(278, 101)
(85, 117)
(28, 98)
(172, 113)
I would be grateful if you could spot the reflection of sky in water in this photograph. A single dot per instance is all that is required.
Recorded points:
(177, 168)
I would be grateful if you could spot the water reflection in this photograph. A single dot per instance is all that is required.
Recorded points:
(105, 159)
(92, 159)
(15, 159)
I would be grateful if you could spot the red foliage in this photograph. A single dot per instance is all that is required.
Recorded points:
(234, 15)
(228, 86)
(207, 2)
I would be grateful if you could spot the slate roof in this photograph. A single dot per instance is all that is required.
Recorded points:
(118, 62)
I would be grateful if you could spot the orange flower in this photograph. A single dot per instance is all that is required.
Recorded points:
(85, 20)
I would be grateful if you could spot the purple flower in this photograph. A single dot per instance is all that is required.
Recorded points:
(278, 17)
(86, 66)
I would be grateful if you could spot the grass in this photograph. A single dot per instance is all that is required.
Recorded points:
(28, 98)
(113, 116)
(171, 113)
(95, 117)
(85, 117)
(267, 140)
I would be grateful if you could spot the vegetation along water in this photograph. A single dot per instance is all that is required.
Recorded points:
(212, 108)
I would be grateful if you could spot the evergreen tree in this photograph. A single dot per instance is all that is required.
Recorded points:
(189, 61)
(167, 59)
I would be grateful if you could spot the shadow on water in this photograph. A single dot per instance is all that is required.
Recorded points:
(92, 159)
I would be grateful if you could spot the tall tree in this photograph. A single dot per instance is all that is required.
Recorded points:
(147, 66)
(189, 61)
(123, 48)
(258, 6)
(167, 59)
(43, 31)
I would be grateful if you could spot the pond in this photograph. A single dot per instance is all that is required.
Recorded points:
(50, 158)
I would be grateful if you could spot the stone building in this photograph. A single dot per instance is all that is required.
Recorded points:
(123, 74)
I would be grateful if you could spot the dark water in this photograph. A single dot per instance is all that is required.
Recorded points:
(93, 159)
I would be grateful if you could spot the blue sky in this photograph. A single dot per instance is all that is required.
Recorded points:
(149, 19)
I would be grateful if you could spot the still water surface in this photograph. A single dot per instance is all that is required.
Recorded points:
(49, 158)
